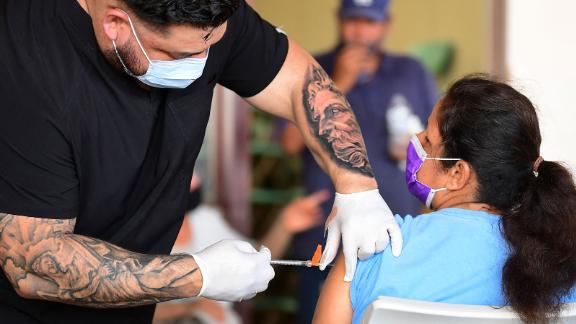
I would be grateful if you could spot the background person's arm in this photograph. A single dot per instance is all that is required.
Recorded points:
(334, 304)
(300, 215)
(291, 139)
(44, 260)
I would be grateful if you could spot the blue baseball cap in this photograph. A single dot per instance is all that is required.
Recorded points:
(376, 10)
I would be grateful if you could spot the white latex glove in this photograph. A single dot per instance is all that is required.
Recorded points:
(233, 270)
(366, 225)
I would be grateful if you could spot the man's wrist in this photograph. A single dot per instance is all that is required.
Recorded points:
(357, 193)
(354, 183)
(197, 278)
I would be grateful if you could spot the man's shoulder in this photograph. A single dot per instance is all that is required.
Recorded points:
(31, 13)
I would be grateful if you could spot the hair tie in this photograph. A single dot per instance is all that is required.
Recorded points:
(536, 165)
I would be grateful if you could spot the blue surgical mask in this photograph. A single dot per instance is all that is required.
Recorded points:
(177, 74)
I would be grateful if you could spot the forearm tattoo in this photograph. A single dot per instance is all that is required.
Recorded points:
(44, 257)
(333, 123)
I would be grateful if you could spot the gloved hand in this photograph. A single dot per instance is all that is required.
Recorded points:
(366, 224)
(233, 270)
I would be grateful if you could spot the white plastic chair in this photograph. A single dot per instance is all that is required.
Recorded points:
(390, 310)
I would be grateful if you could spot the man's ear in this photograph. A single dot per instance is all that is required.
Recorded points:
(459, 175)
(116, 25)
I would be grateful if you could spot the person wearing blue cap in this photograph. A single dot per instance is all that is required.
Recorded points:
(391, 96)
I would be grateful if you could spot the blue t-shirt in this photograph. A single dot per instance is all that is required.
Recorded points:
(451, 255)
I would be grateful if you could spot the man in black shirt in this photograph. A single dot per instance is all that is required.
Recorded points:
(104, 107)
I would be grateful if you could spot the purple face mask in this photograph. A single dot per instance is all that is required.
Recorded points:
(415, 157)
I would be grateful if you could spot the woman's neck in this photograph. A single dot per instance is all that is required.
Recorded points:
(476, 206)
(463, 201)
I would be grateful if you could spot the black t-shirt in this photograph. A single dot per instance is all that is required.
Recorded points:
(79, 139)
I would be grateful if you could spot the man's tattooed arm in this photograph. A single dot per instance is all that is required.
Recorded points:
(332, 122)
(323, 120)
(44, 260)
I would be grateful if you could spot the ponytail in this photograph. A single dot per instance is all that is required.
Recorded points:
(541, 233)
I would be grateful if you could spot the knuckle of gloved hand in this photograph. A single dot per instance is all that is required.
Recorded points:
(243, 291)
(271, 273)
(252, 295)
(370, 246)
(263, 287)
(364, 253)
(262, 278)
(385, 236)
(383, 242)
(384, 227)
(363, 256)
(268, 274)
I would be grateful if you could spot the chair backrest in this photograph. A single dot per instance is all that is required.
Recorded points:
(405, 311)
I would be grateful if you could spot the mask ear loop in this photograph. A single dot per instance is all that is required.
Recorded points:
(126, 69)
(137, 38)
(443, 159)
(432, 195)
(422, 154)
(434, 191)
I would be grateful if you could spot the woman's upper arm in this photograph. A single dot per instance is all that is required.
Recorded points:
(334, 305)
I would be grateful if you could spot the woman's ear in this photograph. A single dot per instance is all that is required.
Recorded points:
(459, 175)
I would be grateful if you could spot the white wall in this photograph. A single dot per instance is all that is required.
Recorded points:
(541, 56)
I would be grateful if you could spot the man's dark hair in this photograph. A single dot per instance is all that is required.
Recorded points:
(198, 13)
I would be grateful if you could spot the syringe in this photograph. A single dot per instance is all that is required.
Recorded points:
(296, 263)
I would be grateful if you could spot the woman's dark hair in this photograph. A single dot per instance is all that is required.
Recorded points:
(197, 13)
(495, 128)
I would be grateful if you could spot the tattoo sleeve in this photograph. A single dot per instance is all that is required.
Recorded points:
(42, 258)
(332, 122)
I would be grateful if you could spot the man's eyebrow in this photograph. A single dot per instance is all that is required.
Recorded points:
(208, 36)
